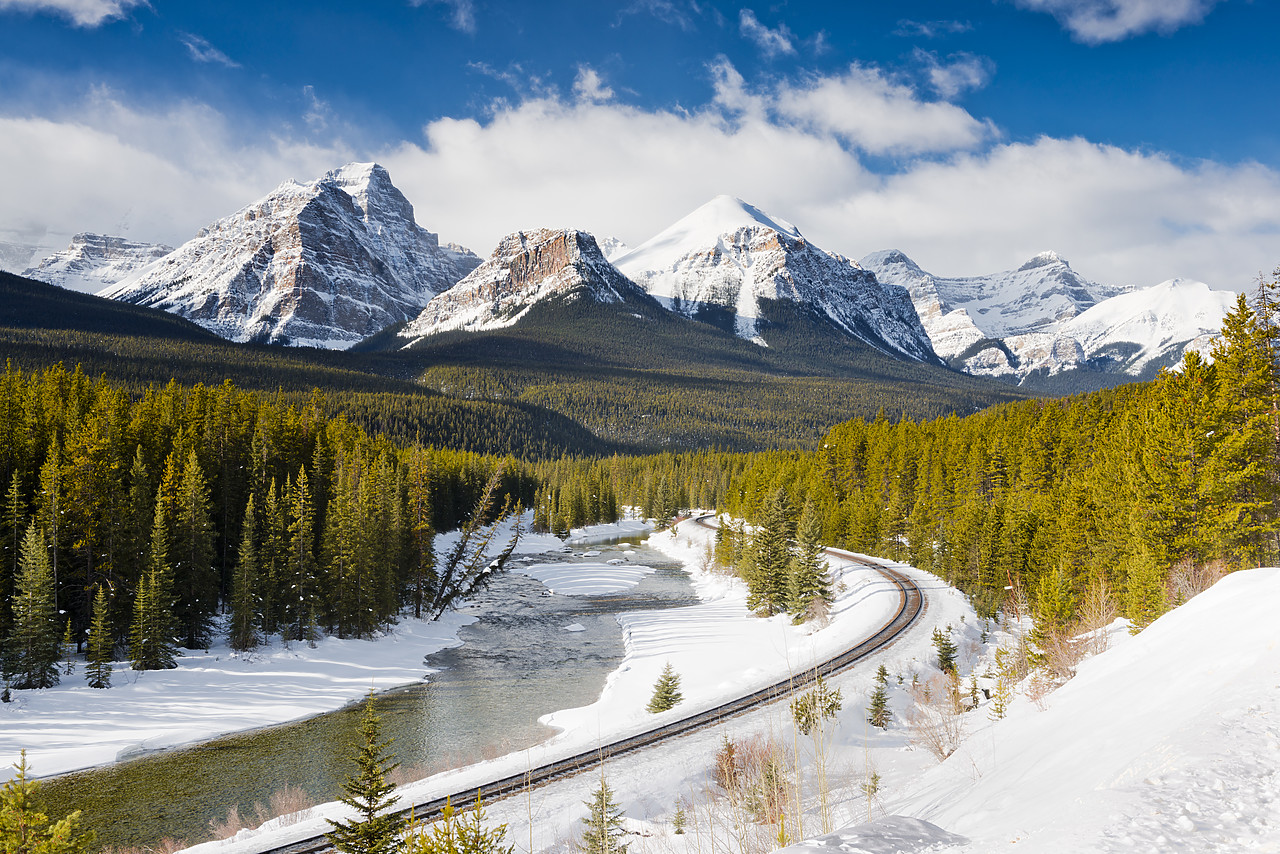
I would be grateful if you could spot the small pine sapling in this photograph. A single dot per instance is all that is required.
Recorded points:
(666, 691)
(946, 650)
(603, 824)
(457, 832)
(680, 820)
(375, 830)
(878, 713)
(26, 830)
(812, 707)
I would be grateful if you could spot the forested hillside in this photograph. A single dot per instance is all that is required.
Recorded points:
(148, 516)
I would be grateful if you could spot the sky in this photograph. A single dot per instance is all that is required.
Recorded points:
(1140, 139)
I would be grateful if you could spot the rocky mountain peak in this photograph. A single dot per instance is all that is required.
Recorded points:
(326, 264)
(526, 268)
(92, 262)
(1044, 259)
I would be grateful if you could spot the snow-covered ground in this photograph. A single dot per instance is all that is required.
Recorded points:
(1168, 741)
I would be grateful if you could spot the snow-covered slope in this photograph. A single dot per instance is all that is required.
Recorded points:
(1169, 742)
(95, 261)
(1044, 317)
(527, 268)
(729, 255)
(322, 264)
(16, 257)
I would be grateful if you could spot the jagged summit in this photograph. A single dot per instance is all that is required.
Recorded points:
(729, 259)
(324, 264)
(1044, 259)
(92, 262)
(526, 268)
(1044, 318)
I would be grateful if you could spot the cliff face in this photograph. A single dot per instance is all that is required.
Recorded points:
(95, 261)
(322, 264)
(526, 268)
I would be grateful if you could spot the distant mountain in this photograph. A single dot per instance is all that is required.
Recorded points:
(729, 263)
(1044, 319)
(93, 262)
(612, 247)
(322, 264)
(15, 257)
(525, 269)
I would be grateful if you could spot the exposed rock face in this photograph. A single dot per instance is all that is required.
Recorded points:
(323, 264)
(1045, 318)
(95, 261)
(731, 256)
(526, 268)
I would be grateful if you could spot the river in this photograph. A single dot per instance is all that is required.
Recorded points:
(518, 662)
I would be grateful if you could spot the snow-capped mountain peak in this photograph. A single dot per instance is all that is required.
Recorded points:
(92, 262)
(1045, 317)
(526, 268)
(730, 258)
(326, 264)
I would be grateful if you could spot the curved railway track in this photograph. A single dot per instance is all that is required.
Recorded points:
(910, 607)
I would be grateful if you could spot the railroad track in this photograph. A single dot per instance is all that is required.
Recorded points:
(910, 606)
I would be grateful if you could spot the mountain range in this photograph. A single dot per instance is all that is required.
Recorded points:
(332, 262)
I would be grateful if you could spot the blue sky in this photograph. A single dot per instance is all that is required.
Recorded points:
(1139, 138)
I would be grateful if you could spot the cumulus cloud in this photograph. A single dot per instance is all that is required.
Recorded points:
(772, 42)
(202, 51)
(82, 13)
(1120, 216)
(958, 73)
(1099, 21)
(588, 85)
(462, 13)
(873, 113)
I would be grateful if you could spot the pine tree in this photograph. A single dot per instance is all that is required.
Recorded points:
(768, 578)
(604, 828)
(458, 832)
(1055, 606)
(102, 643)
(32, 649)
(666, 691)
(26, 830)
(191, 556)
(375, 830)
(151, 642)
(809, 584)
(1145, 595)
(303, 570)
(245, 630)
(946, 650)
(878, 713)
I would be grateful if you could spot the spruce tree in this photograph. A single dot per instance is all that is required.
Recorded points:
(191, 557)
(24, 829)
(151, 642)
(102, 643)
(666, 691)
(603, 824)
(246, 620)
(808, 583)
(946, 650)
(375, 830)
(32, 649)
(768, 579)
(458, 832)
(878, 713)
(303, 570)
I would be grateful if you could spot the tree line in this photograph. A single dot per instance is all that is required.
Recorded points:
(133, 521)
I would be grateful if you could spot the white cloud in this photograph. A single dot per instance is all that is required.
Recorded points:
(614, 169)
(82, 13)
(462, 15)
(202, 51)
(775, 42)
(589, 86)
(1099, 21)
(879, 116)
(669, 12)
(959, 73)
